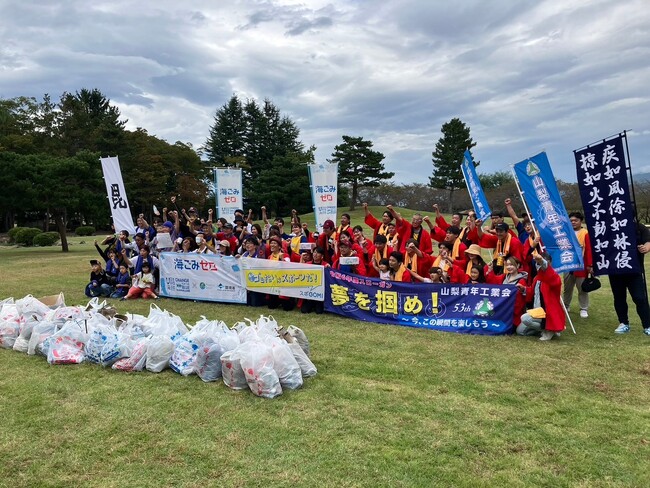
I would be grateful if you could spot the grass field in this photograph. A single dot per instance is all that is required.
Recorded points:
(390, 406)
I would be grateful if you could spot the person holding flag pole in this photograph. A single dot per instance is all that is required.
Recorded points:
(536, 256)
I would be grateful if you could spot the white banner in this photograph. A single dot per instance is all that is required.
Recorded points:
(284, 278)
(120, 210)
(206, 277)
(324, 184)
(228, 186)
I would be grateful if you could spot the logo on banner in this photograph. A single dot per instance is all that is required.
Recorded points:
(532, 169)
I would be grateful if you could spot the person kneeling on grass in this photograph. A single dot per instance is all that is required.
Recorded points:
(144, 284)
(547, 315)
(100, 283)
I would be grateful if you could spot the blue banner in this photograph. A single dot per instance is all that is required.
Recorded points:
(467, 309)
(545, 205)
(605, 194)
(474, 188)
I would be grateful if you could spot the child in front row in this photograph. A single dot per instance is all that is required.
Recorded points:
(144, 284)
(122, 282)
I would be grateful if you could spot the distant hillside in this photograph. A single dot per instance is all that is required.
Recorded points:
(641, 177)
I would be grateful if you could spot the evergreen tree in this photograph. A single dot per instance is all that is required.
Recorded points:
(226, 143)
(448, 157)
(359, 165)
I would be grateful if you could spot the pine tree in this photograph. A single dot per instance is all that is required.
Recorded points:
(448, 157)
(226, 143)
(359, 165)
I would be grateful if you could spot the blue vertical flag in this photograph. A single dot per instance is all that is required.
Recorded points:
(605, 194)
(538, 186)
(474, 187)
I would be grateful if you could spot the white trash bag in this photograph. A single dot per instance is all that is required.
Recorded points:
(285, 364)
(298, 334)
(138, 358)
(41, 331)
(27, 324)
(9, 325)
(67, 345)
(159, 352)
(208, 361)
(257, 363)
(306, 366)
(232, 373)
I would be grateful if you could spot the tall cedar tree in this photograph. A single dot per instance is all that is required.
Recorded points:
(359, 165)
(255, 138)
(448, 157)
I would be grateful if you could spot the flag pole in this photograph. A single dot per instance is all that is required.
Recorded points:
(532, 223)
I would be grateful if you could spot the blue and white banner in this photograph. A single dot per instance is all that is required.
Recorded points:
(468, 309)
(228, 189)
(605, 194)
(324, 184)
(120, 210)
(206, 277)
(545, 205)
(480, 203)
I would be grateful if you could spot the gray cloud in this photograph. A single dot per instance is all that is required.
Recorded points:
(525, 76)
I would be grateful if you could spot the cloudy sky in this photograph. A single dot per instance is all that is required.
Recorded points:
(526, 76)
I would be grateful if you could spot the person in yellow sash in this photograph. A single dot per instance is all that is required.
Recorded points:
(574, 279)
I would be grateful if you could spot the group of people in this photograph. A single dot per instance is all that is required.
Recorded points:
(398, 250)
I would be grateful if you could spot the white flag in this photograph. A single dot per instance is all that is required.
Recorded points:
(120, 210)
(324, 185)
(229, 192)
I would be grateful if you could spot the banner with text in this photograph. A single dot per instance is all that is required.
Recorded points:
(547, 209)
(480, 203)
(605, 194)
(284, 278)
(120, 210)
(468, 309)
(206, 277)
(228, 188)
(324, 185)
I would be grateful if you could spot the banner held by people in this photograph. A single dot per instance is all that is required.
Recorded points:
(539, 190)
(228, 189)
(283, 278)
(479, 201)
(605, 195)
(192, 276)
(323, 178)
(468, 309)
(120, 211)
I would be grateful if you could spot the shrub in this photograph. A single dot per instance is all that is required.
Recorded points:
(12, 233)
(85, 230)
(25, 236)
(46, 239)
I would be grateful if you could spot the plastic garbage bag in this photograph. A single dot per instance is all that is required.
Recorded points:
(285, 364)
(100, 336)
(185, 350)
(67, 345)
(41, 331)
(159, 352)
(208, 361)
(138, 358)
(298, 334)
(30, 306)
(306, 366)
(257, 362)
(232, 373)
(9, 325)
(27, 323)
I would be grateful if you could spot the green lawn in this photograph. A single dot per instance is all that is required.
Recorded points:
(390, 406)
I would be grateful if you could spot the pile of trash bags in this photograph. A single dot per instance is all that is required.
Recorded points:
(257, 355)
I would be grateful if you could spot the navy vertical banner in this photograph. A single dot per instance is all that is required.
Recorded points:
(605, 194)
(474, 188)
(469, 309)
(546, 207)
